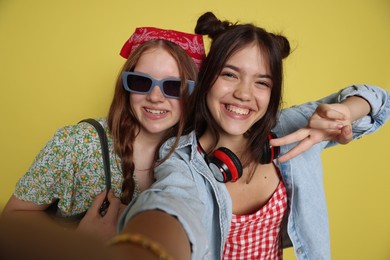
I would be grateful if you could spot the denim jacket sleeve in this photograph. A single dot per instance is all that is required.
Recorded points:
(378, 98)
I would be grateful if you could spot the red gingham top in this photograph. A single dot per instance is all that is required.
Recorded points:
(256, 236)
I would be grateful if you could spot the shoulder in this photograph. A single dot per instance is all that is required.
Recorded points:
(80, 132)
(186, 144)
(86, 128)
(68, 138)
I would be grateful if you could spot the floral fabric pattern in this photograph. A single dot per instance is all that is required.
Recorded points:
(70, 168)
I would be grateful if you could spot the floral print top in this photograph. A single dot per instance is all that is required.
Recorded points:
(70, 168)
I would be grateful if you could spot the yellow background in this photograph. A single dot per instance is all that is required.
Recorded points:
(59, 61)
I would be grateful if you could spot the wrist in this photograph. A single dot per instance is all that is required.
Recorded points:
(358, 107)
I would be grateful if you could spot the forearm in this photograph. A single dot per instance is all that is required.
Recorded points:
(377, 97)
(25, 238)
(379, 111)
(357, 106)
(16, 205)
(16, 208)
(157, 227)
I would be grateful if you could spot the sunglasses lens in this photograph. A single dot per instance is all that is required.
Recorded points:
(172, 88)
(139, 83)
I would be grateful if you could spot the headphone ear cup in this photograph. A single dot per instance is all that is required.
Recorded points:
(269, 152)
(225, 165)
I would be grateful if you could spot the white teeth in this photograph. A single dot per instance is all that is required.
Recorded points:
(237, 110)
(156, 112)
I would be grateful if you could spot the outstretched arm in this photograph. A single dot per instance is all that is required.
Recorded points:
(155, 229)
(50, 242)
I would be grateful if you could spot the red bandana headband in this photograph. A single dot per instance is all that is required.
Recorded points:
(191, 43)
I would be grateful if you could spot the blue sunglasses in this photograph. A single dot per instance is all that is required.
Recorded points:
(141, 83)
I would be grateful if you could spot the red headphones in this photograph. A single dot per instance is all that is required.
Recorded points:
(226, 166)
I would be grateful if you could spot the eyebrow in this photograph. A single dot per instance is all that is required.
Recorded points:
(238, 70)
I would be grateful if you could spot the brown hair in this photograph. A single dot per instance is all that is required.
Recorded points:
(227, 39)
(123, 123)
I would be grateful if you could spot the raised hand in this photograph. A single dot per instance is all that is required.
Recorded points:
(328, 122)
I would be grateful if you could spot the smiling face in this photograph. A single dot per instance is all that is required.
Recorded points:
(241, 93)
(154, 111)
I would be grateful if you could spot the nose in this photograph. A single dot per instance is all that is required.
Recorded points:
(243, 91)
(156, 95)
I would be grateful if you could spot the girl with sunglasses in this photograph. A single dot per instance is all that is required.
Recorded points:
(223, 194)
(149, 106)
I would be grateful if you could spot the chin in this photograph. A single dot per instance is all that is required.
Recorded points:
(236, 132)
(159, 130)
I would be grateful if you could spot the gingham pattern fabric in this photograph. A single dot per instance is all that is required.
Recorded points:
(256, 236)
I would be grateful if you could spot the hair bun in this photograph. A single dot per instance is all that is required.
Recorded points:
(209, 24)
(283, 45)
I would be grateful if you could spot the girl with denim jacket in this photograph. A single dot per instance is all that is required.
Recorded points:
(190, 212)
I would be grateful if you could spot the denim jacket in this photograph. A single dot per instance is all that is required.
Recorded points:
(186, 188)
